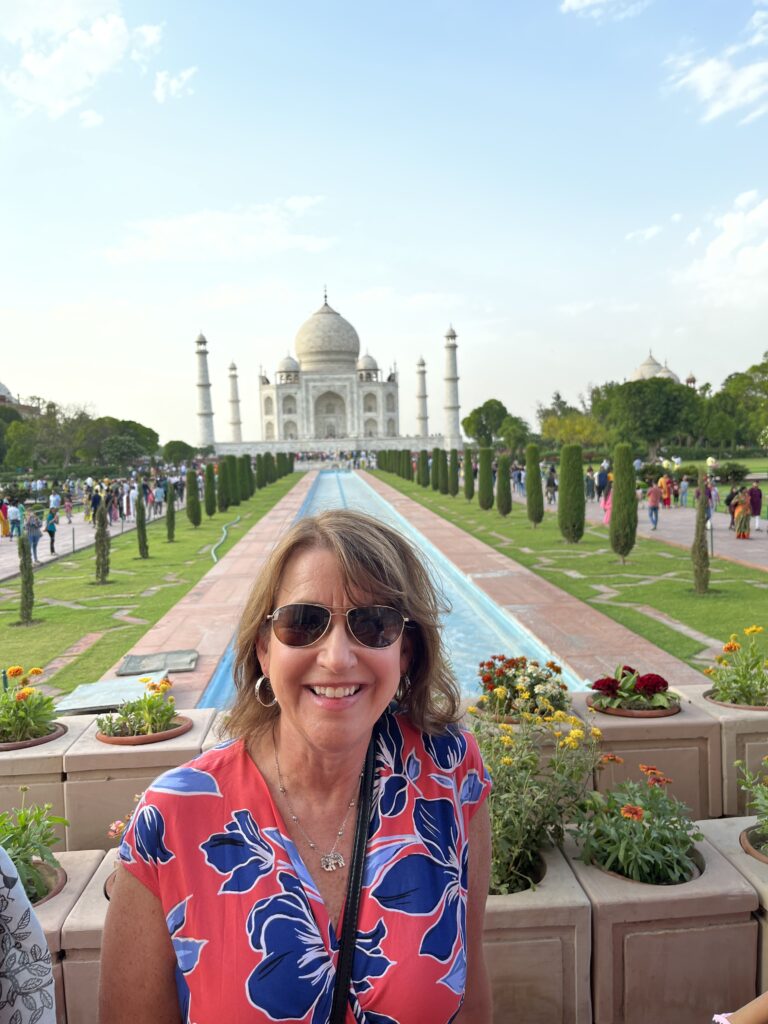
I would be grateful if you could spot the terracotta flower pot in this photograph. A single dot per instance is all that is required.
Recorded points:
(58, 729)
(184, 725)
(745, 841)
(635, 712)
(729, 704)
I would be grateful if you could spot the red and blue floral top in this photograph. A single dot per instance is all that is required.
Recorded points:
(252, 936)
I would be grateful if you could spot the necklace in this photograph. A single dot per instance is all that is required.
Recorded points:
(328, 861)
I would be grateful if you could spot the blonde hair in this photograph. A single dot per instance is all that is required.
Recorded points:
(374, 559)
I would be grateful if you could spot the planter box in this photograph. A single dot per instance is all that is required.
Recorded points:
(102, 780)
(537, 946)
(685, 746)
(670, 952)
(724, 836)
(79, 867)
(42, 769)
(743, 736)
(81, 941)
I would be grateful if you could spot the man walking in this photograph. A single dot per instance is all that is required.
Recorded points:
(653, 500)
(756, 504)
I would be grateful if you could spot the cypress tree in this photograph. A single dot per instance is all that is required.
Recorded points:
(699, 553)
(194, 512)
(261, 477)
(27, 581)
(251, 476)
(170, 513)
(232, 480)
(423, 473)
(269, 467)
(222, 486)
(141, 524)
(242, 477)
(623, 525)
(534, 495)
(434, 477)
(442, 472)
(453, 473)
(485, 479)
(403, 468)
(503, 487)
(210, 490)
(571, 500)
(469, 476)
(102, 544)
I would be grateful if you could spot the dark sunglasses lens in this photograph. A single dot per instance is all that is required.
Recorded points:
(299, 625)
(375, 626)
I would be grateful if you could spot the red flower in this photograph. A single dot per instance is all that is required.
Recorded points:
(627, 670)
(486, 677)
(650, 683)
(633, 812)
(607, 685)
(658, 780)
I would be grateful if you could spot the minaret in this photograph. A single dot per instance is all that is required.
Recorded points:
(234, 406)
(452, 430)
(204, 407)
(422, 429)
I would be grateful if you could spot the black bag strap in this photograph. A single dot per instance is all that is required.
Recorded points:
(354, 885)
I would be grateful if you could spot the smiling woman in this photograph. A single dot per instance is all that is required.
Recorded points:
(244, 876)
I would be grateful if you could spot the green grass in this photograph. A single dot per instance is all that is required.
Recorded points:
(656, 576)
(69, 605)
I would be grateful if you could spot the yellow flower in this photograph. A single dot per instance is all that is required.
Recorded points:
(471, 710)
(577, 734)
(507, 760)
(524, 695)
(560, 716)
(595, 733)
(574, 721)
(15, 671)
(751, 630)
(483, 699)
(501, 692)
(558, 733)
(145, 679)
(506, 741)
(569, 742)
(506, 727)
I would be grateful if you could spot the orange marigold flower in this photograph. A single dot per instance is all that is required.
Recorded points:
(24, 692)
(658, 780)
(732, 645)
(15, 671)
(632, 812)
(649, 769)
(35, 672)
(611, 759)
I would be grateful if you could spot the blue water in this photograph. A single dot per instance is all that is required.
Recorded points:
(474, 628)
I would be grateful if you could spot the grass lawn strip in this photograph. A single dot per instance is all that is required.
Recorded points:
(652, 594)
(69, 605)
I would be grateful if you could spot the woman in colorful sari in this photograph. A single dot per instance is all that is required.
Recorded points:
(742, 514)
(5, 530)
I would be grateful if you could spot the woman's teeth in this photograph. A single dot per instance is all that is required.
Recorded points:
(335, 691)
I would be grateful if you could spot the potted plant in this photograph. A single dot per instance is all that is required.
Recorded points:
(740, 674)
(537, 921)
(27, 835)
(147, 719)
(666, 905)
(514, 686)
(26, 713)
(627, 693)
(754, 839)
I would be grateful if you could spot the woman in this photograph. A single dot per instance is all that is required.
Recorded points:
(742, 514)
(34, 528)
(50, 529)
(607, 503)
(244, 855)
(5, 530)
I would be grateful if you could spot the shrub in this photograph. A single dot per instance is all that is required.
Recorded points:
(623, 525)
(699, 553)
(442, 471)
(27, 836)
(261, 478)
(210, 490)
(270, 471)
(232, 480)
(141, 524)
(435, 469)
(469, 476)
(423, 476)
(222, 486)
(740, 675)
(103, 542)
(242, 476)
(26, 713)
(194, 512)
(571, 502)
(485, 479)
(626, 688)
(503, 487)
(170, 513)
(453, 473)
(27, 603)
(732, 472)
(534, 494)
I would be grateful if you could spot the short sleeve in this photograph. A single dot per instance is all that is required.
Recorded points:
(145, 843)
(476, 783)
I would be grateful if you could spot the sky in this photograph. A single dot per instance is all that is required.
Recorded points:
(569, 183)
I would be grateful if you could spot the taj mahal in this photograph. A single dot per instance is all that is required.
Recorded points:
(329, 396)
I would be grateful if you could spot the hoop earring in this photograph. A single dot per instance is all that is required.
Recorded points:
(404, 688)
(257, 691)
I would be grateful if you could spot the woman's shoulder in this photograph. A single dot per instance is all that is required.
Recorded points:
(209, 774)
(452, 750)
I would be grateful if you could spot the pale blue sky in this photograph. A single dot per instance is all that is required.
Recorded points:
(569, 182)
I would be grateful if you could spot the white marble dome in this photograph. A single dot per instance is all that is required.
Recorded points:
(367, 362)
(327, 342)
(668, 374)
(647, 369)
(287, 365)
(6, 394)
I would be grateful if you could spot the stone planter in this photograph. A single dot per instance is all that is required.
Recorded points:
(102, 780)
(53, 912)
(724, 835)
(685, 746)
(743, 736)
(670, 952)
(81, 941)
(537, 946)
(41, 768)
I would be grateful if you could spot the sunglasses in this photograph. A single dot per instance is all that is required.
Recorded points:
(301, 625)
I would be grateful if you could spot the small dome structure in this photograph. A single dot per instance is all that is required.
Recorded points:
(667, 374)
(647, 369)
(327, 342)
(287, 365)
(367, 362)
(6, 396)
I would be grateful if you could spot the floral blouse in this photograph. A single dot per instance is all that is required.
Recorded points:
(252, 936)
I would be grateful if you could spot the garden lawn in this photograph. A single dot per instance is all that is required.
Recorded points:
(71, 609)
(657, 578)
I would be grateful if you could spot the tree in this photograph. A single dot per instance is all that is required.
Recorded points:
(423, 472)
(210, 490)
(574, 427)
(22, 445)
(558, 407)
(503, 487)
(27, 603)
(514, 433)
(270, 471)
(485, 479)
(194, 512)
(453, 473)
(232, 479)
(242, 480)
(534, 495)
(699, 553)
(483, 424)
(571, 501)
(261, 478)
(623, 525)
(442, 472)
(121, 450)
(170, 513)
(103, 542)
(141, 525)
(435, 469)
(177, 452)
(469, 476)
(648, 412)
(222, 486)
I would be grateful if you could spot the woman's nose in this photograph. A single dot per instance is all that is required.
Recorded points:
(337, 649)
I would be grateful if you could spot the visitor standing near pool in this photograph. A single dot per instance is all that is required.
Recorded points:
(237, 870)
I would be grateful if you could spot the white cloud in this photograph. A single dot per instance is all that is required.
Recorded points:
(613, 10)
(91, 119)
(643, 234)
(694, 236)
(173, 86)
(746, 199)
(733, 271)
(65, 48)
(676, 218)
(209, 235)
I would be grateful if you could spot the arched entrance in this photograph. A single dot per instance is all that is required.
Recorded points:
(330, 415)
